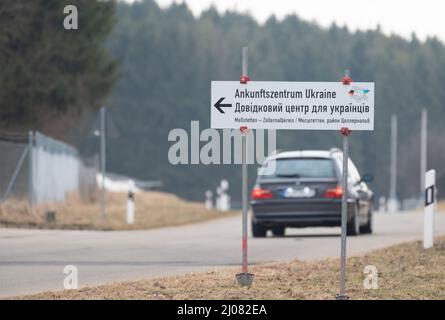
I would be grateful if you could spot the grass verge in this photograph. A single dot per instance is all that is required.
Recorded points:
(153, 210)
(405, 271)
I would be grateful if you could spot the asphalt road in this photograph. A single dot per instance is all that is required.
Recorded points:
(33, 260)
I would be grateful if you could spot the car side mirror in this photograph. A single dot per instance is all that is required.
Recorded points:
(367, 178)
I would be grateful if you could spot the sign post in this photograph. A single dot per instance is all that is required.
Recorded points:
(344, 214)
(103, 154)
(345, 132)
(343, 106)
(423, 149)
(244, 278)
(430, 208)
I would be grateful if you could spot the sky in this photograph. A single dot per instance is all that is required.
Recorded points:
(402, 17)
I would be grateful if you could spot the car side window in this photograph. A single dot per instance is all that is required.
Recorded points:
(338, 161)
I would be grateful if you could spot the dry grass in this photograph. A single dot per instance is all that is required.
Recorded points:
(405, 272)
(153, 210)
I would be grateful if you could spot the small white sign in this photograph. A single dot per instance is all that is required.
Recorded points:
(292, 105)
(430, 208)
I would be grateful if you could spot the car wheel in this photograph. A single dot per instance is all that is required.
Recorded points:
(278, 231)
(367, 228)
(258, 231)
(353, 227)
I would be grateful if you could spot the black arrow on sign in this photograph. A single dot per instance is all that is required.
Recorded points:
(218, 105)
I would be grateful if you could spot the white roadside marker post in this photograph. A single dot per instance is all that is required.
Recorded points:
(244, 278)
(430, 208)
(130, 202)
(345, 132)
(209, 200)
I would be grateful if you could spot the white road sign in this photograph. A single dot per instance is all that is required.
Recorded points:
(292, 105)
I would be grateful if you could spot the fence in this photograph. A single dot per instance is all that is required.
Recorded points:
(41, 169)
(13, 169)
(55, 168)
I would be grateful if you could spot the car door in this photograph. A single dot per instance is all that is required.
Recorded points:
(356, 188)
(360, 188)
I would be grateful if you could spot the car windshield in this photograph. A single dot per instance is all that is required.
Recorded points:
(299, 168)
